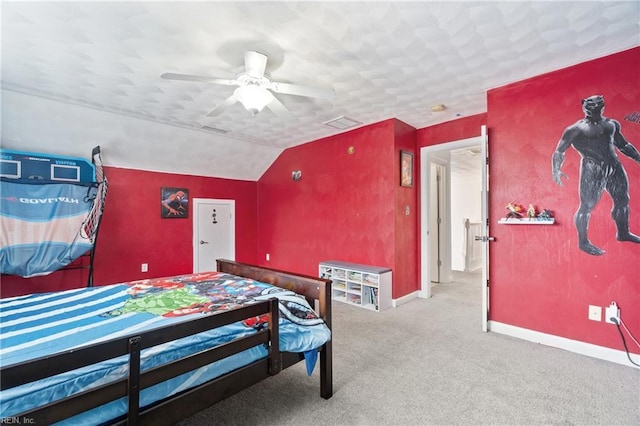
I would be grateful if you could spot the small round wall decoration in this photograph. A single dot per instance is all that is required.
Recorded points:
(351, 149)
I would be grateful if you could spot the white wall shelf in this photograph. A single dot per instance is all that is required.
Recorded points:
(526, 221)
(365, 286)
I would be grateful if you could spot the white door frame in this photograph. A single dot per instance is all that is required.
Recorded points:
(196, 216)
(426, 153)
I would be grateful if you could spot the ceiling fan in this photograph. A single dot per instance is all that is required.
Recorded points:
(255, 89)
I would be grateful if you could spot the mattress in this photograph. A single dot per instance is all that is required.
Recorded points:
(37, 325)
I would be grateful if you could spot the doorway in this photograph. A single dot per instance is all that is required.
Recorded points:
(213, 233)
(443, 256)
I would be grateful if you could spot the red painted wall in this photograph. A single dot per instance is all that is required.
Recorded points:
(540, 280)
(132, 231)
(345, 206)
(451, 131)
(405, 273)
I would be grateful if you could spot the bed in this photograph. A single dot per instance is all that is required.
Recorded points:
(157, 351)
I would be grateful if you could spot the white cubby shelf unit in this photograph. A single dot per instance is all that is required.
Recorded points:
(364, 286)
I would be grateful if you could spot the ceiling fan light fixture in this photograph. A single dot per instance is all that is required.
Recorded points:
(253, 98)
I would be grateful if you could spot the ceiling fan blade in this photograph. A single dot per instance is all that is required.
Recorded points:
(199, 78)
(298, 90)
(222, 106)
(255, 63)
(278, 108)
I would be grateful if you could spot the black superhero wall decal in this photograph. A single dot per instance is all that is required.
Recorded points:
(596, 138)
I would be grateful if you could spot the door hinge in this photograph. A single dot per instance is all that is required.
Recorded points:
(487, 283)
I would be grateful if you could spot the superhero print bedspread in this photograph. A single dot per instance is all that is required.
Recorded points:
(43, 324)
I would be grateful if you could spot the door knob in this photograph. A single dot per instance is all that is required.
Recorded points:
(204, 242)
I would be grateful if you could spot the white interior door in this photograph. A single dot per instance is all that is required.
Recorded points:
(428, 155)
(436, 233)
(213, 233)
(485, 234)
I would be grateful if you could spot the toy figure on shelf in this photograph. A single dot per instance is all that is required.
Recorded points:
(515, 211)
(531, 212)
(545, 215)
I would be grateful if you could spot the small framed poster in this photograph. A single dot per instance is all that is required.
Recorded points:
(406, 169)
(174, 203)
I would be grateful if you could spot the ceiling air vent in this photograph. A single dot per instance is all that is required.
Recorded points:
(214, 129)
(342, 122)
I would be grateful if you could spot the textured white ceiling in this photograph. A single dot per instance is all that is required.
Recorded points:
(77, 74)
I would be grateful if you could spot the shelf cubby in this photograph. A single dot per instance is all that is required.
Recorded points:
(365, 286)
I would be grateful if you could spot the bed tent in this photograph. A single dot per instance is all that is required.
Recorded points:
(50, 211)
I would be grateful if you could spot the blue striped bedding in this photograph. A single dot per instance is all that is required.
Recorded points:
(43, 324)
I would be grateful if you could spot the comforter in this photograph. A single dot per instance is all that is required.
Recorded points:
(43, 324)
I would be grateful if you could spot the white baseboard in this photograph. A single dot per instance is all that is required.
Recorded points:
(404, 299)
(576, 346)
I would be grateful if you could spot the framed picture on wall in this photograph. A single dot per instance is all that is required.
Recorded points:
(406, 169)
(174, 203)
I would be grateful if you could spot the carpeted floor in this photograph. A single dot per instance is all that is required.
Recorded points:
(428, 363)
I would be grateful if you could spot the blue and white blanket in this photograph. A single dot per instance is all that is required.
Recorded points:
(43, 324)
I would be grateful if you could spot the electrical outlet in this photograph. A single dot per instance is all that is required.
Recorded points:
(595, 313)
(612, 312)
(144, 267)
(268, 257)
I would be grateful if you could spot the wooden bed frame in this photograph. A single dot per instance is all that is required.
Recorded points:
(173, 409)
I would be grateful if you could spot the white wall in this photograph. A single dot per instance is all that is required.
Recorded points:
(466, 197)
(36, 124)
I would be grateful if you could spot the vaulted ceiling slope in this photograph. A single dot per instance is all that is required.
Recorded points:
(78, 74)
